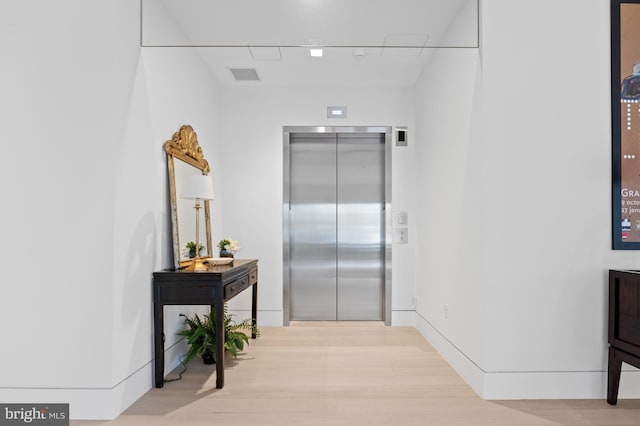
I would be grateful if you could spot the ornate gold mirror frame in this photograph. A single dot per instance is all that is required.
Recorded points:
(184, 147)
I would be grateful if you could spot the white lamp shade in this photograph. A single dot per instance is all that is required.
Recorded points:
(197, 187)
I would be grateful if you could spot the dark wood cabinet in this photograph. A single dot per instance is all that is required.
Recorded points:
(624, 327)
(212, 287)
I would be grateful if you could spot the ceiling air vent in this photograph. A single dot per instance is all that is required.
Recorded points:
(245, 74)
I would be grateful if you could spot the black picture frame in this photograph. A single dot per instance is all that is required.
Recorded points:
(625, 123)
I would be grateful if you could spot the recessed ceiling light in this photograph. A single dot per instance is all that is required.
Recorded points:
(316, 52)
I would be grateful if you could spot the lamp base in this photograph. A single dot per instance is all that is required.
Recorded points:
(195, 264)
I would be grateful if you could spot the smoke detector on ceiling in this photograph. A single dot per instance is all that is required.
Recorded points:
(245, 74)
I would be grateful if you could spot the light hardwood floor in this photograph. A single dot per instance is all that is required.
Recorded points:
(347, 373)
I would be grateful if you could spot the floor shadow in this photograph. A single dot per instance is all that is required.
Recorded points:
(181, 389)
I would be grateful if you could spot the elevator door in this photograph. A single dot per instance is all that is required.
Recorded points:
(336, 226)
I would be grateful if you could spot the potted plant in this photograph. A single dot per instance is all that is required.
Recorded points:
(228, 247)
(201, 335)
(190, 249)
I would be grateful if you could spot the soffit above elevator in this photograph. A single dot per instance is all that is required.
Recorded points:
(364, 42)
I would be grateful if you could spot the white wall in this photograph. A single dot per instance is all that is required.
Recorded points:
(519, 136)
(450, 205)
(179, 91)
(64, 105)
(250, 173)
(85, 116)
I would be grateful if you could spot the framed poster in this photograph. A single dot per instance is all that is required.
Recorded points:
(625, 114)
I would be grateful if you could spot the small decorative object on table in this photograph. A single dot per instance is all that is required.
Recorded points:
(228, 247)
(219, 260)
(190, 249)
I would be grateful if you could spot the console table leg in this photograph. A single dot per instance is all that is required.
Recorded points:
(613, 377)
(219, 338)
(158, 343)
(254, 308)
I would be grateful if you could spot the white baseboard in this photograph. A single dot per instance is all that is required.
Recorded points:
(403, 318)
(469, 372)
(558, 385)
(88, 403)
(276, 319)
(528, 385)
(265, 318)
(629, 384)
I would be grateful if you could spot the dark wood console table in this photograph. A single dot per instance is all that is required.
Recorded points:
(624, 327)
(212, 287)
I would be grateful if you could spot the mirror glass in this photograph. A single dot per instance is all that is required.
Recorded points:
(185, 157)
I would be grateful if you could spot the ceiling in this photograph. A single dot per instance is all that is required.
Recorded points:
(364, 42)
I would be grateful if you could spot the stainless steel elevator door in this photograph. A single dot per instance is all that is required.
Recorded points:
(313, 226)
(336, 226)
(360, 226)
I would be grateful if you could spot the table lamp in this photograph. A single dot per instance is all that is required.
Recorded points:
(197, 187)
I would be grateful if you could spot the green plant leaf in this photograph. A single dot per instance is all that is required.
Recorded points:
(201, 333)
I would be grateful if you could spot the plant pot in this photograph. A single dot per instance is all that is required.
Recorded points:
(225, 253)
(208, 358)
